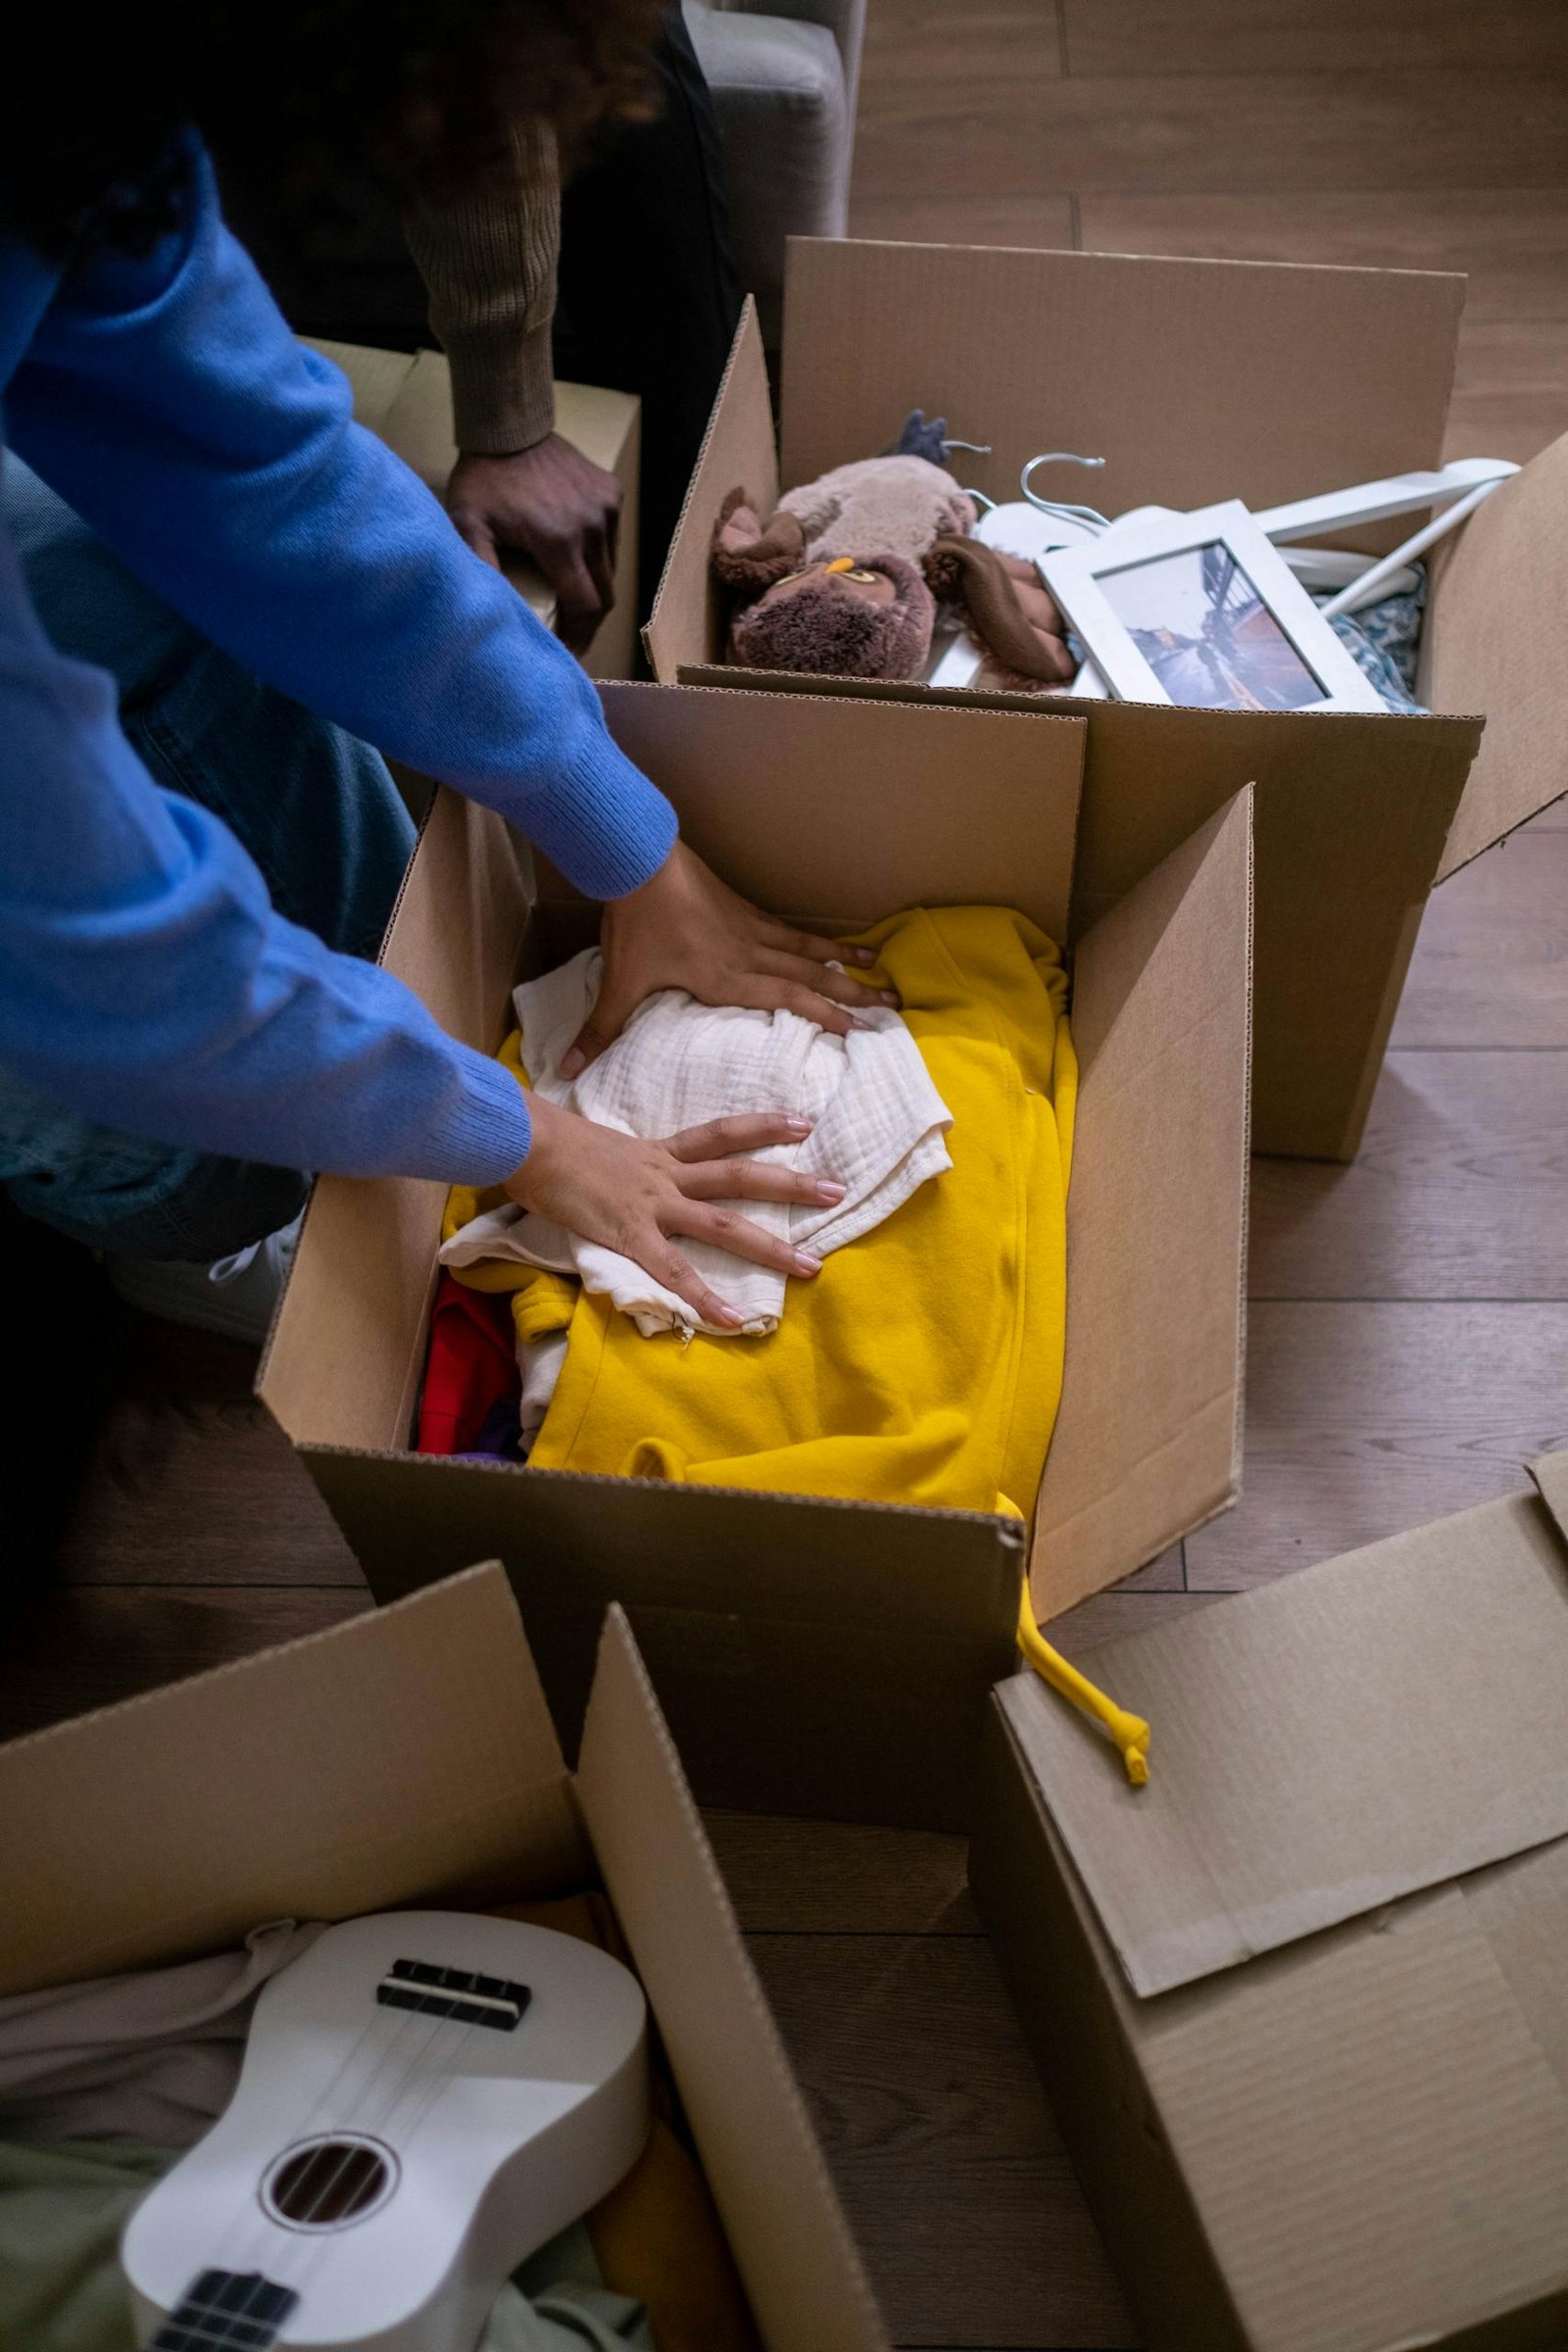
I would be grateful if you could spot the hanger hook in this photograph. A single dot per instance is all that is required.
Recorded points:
(1065, 512)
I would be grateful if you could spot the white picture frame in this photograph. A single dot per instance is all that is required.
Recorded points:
(1202, 609)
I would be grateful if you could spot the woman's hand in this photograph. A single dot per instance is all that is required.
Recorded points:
(685, 929)
(636, 1197)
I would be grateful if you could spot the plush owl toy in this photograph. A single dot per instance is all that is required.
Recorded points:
(844, 578)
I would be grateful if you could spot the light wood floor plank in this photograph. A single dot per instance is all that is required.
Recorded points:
(836, 1878)
(1510, 389)
(1511, 243)
(1490, 966)
(192, 1482)
(1110, 1615)
(1282, 36)
(932, 41)
(1038, 223)
(77, 1646)
(1363, 1419)
(948, 2157)
(1459, 1191)
(1269, 133)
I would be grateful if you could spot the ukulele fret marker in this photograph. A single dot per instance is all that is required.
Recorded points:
(242, 2311)
(455, 1993)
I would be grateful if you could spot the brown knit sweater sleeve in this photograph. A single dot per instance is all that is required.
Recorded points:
(488, 261)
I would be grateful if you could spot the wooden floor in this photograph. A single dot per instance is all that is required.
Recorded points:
(1408, 1342)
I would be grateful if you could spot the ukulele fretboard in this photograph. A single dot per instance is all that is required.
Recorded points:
(227, 2311)
(456, 1992)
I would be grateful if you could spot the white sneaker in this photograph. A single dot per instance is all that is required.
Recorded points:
(237, 1296)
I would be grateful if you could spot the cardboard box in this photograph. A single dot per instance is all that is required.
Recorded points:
(406, 398)
(1197, 382)
(1302, 2004)
(818, 1657)
(404, 1759)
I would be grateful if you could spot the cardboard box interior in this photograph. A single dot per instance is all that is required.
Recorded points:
(1197, 382)
(821, 1656)
(1301, 2003)
(406, 398)
(402, 1759)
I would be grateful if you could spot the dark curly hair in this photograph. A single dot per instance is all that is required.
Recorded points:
(414, 93)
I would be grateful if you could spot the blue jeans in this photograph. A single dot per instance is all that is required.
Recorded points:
(318, 811)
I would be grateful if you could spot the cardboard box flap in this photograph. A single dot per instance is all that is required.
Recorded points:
(1551, 1473)
(1321, 1746)
(1375, 2141)
(1149, 1437)
(844, 812)
(738, 453)
(402, 1751)
(343, 1363)
(779, 2208)
(1491, 644)
(1197, 380)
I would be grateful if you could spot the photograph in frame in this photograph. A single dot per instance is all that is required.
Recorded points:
(1201, 610)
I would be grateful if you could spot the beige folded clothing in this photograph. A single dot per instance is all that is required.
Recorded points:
(879, 1125)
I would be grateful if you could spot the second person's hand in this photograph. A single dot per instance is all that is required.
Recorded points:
(550, 502)
(687, 929)
(641, 1198)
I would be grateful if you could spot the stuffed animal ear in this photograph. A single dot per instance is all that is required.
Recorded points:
(750, 556)
(1005, 603)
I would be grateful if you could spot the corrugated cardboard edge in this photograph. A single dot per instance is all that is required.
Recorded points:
(1304, 2141)
(1331, 374)
(1551, 1473)
(1190, 1887)
(345, 1355)
(1114, 1494)
(992, 799)
(80, 1800)
(738, 453)
(1491, 644)
(1073, 2006)
(780, 2211)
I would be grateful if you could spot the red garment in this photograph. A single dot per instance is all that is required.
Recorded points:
(472, 1364)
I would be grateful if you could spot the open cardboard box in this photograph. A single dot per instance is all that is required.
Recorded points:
(1302, 2004)
(1197, 382)
(820, 1656)
(405, 1758)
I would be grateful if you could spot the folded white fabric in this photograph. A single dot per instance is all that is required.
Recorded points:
(879, 1129)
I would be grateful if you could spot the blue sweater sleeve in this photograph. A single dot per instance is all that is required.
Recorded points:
(146, 980)
(165, 401)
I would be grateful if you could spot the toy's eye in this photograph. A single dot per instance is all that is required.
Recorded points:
(788, 578)
(863, 575)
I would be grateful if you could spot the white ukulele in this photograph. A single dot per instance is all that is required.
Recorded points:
(426, 2098)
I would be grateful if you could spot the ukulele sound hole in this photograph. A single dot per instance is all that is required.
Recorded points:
(326, 2183)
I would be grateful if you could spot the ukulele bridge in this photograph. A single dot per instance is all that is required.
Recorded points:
(454, 1993)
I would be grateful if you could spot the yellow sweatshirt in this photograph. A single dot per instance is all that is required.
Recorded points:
(923, 1364)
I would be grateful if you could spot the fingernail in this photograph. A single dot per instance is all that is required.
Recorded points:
(891, 996)
(865, 955)
(832, 1194)
(726, 1315)
(806, 1265)
(855, 1022)
(799, 1126)
(572, 1061)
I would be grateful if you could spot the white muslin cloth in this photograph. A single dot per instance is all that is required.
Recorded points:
(879, 1129)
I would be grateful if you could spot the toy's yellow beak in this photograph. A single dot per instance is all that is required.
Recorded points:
(840, 563)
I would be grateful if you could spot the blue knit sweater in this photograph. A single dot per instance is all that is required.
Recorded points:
(145, 980)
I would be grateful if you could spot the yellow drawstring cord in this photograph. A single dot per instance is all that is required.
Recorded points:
(1129, 1731)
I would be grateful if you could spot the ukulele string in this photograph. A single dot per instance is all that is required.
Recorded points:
(428, 2061)
(248, 2231)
